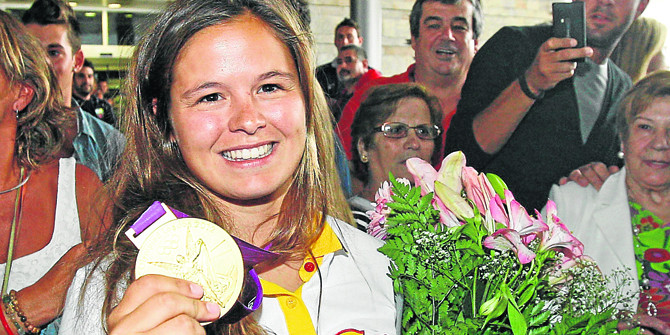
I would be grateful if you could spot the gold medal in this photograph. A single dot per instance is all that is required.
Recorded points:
(198, 251)
(172, 244)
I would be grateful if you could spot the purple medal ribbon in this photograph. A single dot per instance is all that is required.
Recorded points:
(252, 292)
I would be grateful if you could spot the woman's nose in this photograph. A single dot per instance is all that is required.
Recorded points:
(662, 140)
(412, 141)
(246, 116)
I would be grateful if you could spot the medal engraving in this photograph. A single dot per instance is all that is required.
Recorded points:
(198, 251)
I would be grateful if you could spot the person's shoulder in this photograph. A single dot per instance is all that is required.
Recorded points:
(395, 79)
(96, 124)
(575, 193)
(325, 67)
(572, 194)
(86, 176)
(77, 99)
(101, 102)
(619, 75)
(539, 32)
(354, 239)
(104, 133)
(372, 74)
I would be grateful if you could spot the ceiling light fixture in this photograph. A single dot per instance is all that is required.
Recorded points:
(114, 5)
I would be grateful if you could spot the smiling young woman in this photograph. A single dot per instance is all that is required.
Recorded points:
(224, 124)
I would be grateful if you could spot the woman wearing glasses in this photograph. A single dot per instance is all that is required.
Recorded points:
(394, 122)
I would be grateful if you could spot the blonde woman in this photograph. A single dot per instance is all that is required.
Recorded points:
(640, 50)
(47, 202)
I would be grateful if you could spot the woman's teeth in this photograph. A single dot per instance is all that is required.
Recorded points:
(247, 154)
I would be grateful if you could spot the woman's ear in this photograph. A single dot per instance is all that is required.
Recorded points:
(24, 97)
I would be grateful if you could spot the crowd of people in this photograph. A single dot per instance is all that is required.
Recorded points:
(226, 117)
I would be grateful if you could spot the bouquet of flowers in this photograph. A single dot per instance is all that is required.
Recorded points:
(468, 259)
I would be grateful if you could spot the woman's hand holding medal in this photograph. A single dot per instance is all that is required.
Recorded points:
(155, 303)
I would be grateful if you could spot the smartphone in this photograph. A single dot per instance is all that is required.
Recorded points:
(570, 21)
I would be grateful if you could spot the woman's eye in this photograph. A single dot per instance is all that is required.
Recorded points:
(211, 98)
(268, 88)
(643, 126)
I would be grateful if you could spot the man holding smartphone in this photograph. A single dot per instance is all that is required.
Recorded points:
(527, 111)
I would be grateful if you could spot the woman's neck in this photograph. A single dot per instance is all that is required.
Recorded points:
(369, 190)
(254, 223)
(655, 200)
(9, 168)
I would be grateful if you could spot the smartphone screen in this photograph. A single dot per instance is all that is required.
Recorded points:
(570, 21)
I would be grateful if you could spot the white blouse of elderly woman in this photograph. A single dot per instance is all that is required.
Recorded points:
(626, 224)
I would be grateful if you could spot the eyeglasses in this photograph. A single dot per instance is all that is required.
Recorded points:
(400, 130)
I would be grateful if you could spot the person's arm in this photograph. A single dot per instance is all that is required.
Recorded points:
(43, 301)
(495, 66)
(93, 204)
(495, 125)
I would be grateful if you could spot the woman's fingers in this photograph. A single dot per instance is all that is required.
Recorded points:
(180, 324)
(156, 302)
(651, 322)
(147, 286)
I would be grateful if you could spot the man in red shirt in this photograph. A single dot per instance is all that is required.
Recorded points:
(353, 73)
(444, 38)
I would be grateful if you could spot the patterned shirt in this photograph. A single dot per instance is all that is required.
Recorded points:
(652, 256)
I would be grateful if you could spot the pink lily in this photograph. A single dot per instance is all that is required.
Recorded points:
(516, 217)
(426, 177)
(558, 236)
(478, 188)
(449, 185)
(451, 171)
(509, 239)
(424, 174)
(519, 229)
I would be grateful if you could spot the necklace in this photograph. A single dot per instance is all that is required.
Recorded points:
(12, 232)
(21, 183)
